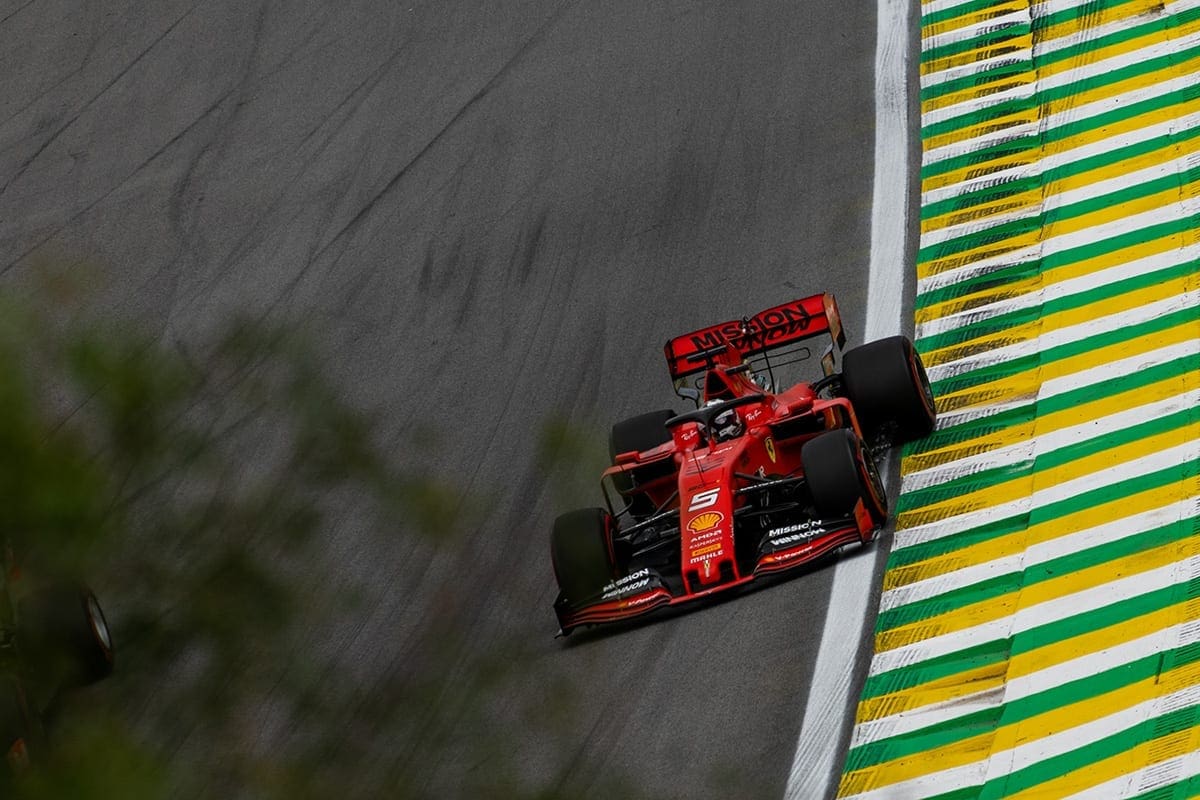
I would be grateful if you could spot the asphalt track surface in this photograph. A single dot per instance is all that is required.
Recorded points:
(491, 215)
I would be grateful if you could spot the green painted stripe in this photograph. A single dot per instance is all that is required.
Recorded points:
(1001, 585)
(1080, 758)
(1016, 273)
(996, 528)
(1028, 146)
(1015, 68)
(955, 12)
(985, 426)
(1003, 322)
(917, 499)
(1043, 96)
(994, 280)
(1008, 369)
(1017, 711)
(991, 38)
(992, 193)
(962, 793)
(1045, 59)
(1024, 225)
(1106, 159)
(972, 429)
(997, 652)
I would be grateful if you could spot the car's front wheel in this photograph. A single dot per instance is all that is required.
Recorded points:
(580, 552)
(839, 472)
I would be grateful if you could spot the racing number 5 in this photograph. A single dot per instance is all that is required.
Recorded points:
(704, 499)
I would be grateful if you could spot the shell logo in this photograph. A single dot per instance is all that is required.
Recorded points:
(706, 521)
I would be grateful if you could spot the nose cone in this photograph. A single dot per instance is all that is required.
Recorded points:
(706, 518)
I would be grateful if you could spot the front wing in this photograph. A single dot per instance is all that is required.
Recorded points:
(644, 590)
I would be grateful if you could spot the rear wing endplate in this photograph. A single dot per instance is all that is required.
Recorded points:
(768, 330)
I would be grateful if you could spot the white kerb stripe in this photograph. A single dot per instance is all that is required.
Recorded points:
(1084, 667)
(1055, 610)
(1068, 543)
(1006, 762)
(1154, 462)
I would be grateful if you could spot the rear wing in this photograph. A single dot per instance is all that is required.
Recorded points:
(773, 329)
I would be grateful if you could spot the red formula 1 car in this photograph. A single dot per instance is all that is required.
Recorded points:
(754, 480)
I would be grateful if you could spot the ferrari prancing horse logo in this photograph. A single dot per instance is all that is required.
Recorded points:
(770, 443)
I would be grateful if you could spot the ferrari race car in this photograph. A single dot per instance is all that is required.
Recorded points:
(754, 480)
(53, 637)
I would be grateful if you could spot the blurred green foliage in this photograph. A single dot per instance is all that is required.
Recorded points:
(201, 488)
(186, 484)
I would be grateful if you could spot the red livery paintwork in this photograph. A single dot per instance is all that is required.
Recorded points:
(700, 502)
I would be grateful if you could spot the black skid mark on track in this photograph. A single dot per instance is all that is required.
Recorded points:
(498, 78)
(526, 252)
(103, 90)
(128, 177)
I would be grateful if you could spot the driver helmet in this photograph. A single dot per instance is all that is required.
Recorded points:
(727, 425)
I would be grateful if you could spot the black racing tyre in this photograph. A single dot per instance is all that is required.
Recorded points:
(840, 472)
(886, 383)
(640, 433)
(579, 551)
(62, 631)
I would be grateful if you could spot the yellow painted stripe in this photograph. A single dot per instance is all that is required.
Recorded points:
(1019, 487)
(1022, 386)
(1077, 269)
(969, 616)
(1057, 67)
(1031, 199)
(1119, 304)
(968, 98)
(1098, 17)
(1114, 352)
(1112, 213)
(977, 255)
(1025, 384)
(1015, 543)
(1125, 11)
(979, 299)
(1012, 204)
(950, 688)
(1129, 301)
(940, 691)
(1007, 737)
(1012, 119)
(1066, 144)
(1143, 755)
(1014, 44)
(1096, 409)
(974, 17)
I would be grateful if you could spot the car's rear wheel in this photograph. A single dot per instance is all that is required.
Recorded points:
(886, 383)
(62, 630)
(579, 550)
(640, 433)
(839, 472)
